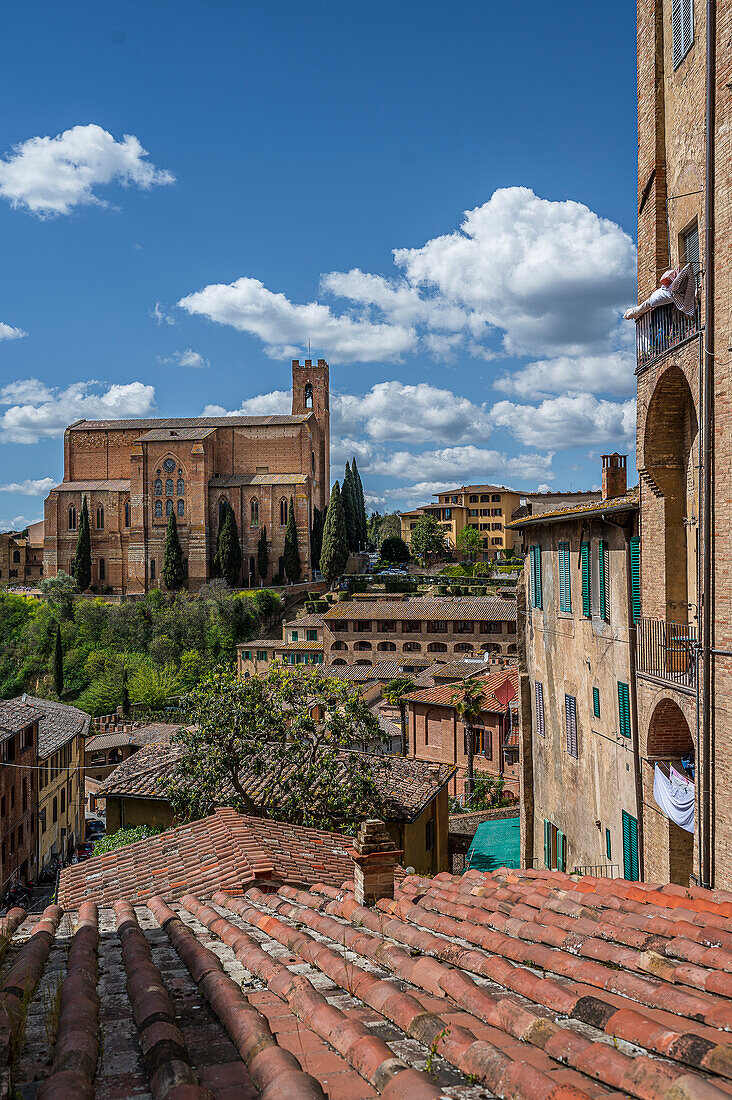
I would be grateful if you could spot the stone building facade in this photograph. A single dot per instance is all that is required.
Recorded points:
(18, 790)
(488, 508)
(21, 556)
(133, 473)
(580, 769)
(685, 633)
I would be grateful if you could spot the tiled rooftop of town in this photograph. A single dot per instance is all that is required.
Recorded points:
(482, 608)
(15, 715)
(59, 725)
(520, 984)
(445, 694)
(629, 501)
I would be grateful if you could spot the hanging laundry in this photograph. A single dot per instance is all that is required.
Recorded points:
(674, 799)
(683, 290)
(678, 778)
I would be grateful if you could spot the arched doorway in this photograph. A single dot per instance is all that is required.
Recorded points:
(669, 848)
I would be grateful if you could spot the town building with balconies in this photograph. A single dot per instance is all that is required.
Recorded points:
(488, 508)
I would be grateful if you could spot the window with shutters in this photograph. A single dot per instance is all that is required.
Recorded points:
(539, 699)
(689, 246)
(603, 573)
(635, 577)
(586, 582)
(608, 844)
(555, 848)
(570, 722)
(565, 587)
(596, 702)
(630, 847)
(535, 568)
(624, 709)
(682, 29)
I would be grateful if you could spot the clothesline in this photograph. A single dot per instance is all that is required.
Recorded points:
(676, 797)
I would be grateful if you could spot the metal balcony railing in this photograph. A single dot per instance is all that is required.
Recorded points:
(598, 870)
(667, 651)
(662, 329)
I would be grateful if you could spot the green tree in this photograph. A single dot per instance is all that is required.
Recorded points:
(174, 573)
(372, 530)
(390, 527)
(334, 554)
(394, 693)
(349, 509)
(123, 837)
(60, 592)
(295, 726)
(427, 540)
(125, 696)
(468, 704)
(316, 537)
(291, 553)
(154, 686)
(82, 564)
(469, 541)
(362, 522)
(394, 549)
(262, 555)
(229, 552)
(58, 664)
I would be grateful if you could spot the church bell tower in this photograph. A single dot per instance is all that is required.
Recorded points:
(311, 394)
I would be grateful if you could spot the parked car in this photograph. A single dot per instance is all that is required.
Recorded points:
(95, 827)
(84, 851)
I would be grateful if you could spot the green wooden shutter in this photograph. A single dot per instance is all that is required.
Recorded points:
(565, 587)
(585, 559)
(561, 851)
(630, 847)
(602, 562)
(596, 702)
(635, 577)
(539, 603)
(608, 844)
(624, 708)
(547, 844)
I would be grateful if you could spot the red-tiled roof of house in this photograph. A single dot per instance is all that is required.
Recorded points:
(226, 847)
(448, 608)
(445, 694)
(528, 985)
(629, 502)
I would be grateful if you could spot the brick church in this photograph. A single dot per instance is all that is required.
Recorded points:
(134, 473)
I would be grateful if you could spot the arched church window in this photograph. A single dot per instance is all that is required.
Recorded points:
(180, 487)
(128, 514)
(16, 557)
(181, 507)
(168, 507)
(72, 518)
(308, 396)
(158, 487)
(254, 512)
(168, 486)
(158, 509)
(283, 512)
(100, 518)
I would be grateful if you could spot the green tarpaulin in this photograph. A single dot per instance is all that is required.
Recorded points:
(495, 844)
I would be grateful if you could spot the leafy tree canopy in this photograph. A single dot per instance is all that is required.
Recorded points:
(291, 553)
(334, 553)
(123, 837)
(390, 527)
(82, 564)
(469, 541)
(174, 573)
(427, 540)
(394, 549)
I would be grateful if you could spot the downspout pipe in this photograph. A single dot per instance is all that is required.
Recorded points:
(705, 795)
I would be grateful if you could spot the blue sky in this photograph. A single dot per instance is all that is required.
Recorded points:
(190, 191)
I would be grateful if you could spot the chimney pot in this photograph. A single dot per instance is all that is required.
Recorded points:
(374, 856)
(614, 476)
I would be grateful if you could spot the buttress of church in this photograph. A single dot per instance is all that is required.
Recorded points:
(134, 473)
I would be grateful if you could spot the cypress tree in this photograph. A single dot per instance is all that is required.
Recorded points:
(262, 555)
(292, 552)
(334, 553)
(229, 552)
(316, 537)
(125, 695)
(348, 497)
(360, 506)
(58, 664)
(81, 568)
(174, 573)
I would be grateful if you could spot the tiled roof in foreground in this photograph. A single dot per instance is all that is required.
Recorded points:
(520, 984)
(445, 694)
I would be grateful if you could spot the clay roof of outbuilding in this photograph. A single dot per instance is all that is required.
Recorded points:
(115, 485)
(483, 608)
(59, 725)
(182, 422)
(629, 502)
(523, 984)
(145, 735)
(407, 785)
(16, 715)
(445, 694)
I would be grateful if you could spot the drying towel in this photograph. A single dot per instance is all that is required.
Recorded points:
(676, 801)
(683, 290)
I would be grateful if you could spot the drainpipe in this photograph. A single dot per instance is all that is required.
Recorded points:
(706, 868)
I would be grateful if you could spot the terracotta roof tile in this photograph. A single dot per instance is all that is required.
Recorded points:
(16, 715)
(481, 608)
(628, 502)
(59, 725)
(443, 694)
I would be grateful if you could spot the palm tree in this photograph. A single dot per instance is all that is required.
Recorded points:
(394, 693)
(468, 703)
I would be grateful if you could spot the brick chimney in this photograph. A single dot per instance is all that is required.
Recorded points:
(375, 857)
(614, 476)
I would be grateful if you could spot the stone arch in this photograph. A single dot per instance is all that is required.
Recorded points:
(338, 661)
(340, 646)
(386, 647)
(464, 647)
(669, 737)
(669, 848)
(437, 647)
(363, 646)
(670, 445)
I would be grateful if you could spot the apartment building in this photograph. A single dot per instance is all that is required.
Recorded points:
(440, 628)
(18, 789)
(301, 644)
(580, 768)
(21, 556)
(683, 434)
(62, 733)
(485, 507)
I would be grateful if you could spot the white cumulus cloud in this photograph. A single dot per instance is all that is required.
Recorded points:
(459, 463)
(186, 358)
(37, 412)
(7, 332)
(31, 487)
(572, 420)
(17, 523)
(613, 373)
(48, 176)
(410, 413)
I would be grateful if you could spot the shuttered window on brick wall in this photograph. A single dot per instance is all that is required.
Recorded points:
(539, 698)
(635, 577)
(690, 247)
(547, 844)
(596, 702)
(682, 29)
(630, 847)
(570, 721)
(624, 709)
(603, 571)
(561, 851)
(586, 594)
(608, 844)
(565, 587)
(535, 564)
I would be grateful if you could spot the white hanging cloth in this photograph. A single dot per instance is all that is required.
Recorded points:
(683, 290)
(675, 799)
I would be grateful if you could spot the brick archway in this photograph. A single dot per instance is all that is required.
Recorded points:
(669, 850)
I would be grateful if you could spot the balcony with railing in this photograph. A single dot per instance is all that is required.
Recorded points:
(662, 329)
(667, 651)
